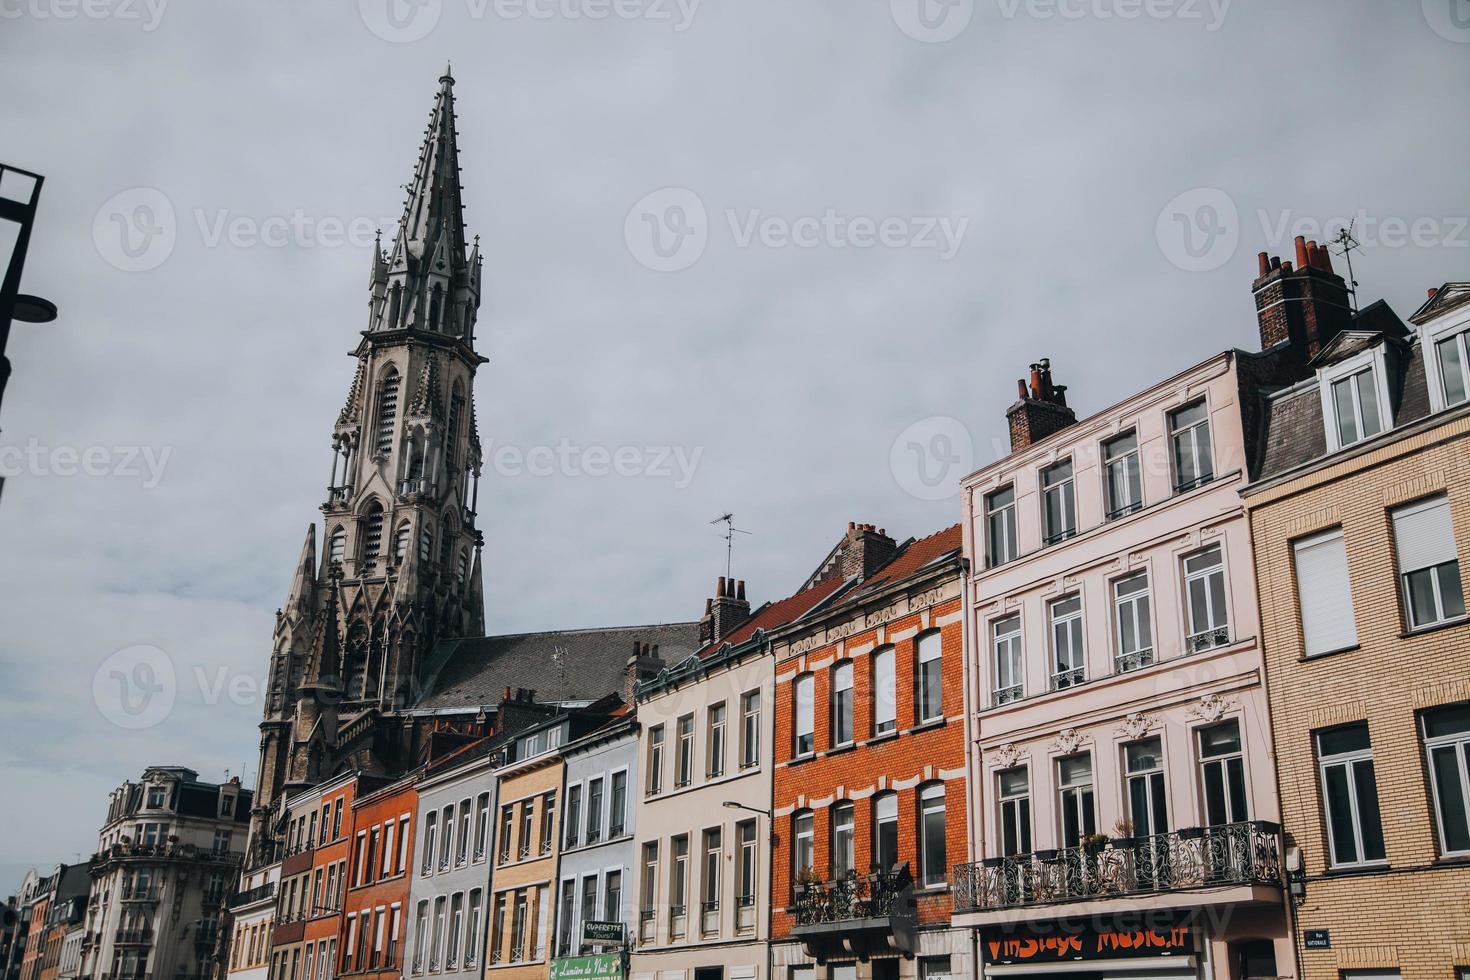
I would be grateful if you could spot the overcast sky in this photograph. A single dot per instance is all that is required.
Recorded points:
(871, 218)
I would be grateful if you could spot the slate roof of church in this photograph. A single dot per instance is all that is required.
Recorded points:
(562, 665)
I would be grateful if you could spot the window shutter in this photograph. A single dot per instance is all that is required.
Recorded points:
(1324, 593)
(885, 682)
(1423, 535)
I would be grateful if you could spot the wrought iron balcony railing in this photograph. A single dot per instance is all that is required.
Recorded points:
(1208, 639)
(852, 896)
(1134, 660)
(1232, 854)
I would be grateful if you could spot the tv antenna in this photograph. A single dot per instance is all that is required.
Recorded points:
(1347, 243)
(730, 531)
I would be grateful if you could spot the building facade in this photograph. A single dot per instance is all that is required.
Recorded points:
(1361, 524)
(168, 855)
(374, 912)
(313, 880)
(252, 910)
(869, 768)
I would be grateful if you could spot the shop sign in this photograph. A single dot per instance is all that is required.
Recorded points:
(1064, 945)
(608, 966)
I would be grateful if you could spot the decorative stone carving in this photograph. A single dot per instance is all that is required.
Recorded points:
(1068, 741)
(1136, 725)
(1007, 756)
(1212, 707)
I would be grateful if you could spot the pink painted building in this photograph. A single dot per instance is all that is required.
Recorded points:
(1123, 801)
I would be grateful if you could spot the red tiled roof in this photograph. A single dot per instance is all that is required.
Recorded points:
(778, 613)
(914, 557)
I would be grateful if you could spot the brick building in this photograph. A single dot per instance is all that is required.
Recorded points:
(313, 880)
(869, 766)
(1361, 523)
(371, 926)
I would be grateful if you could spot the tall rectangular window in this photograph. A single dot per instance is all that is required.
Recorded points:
(745, 884)
(1013, 793)
(842, 704)
(1222, 774)
(1000, 524)
(518, 919)
(1068, 663)
(472, 927)
(929, 690)
(1144, 781)
(803, 843)
(805, 690)
(568, 916)
(933, 848)
(1324, 593)
(617, 811)
(655, 760)
(1059, 502)
(573, 817)
(1189, 435)
(1132, 622)
(528, 829)
(1123, 476)
(1009, 679)
(1454, 368)
(684, 773)
(589, 899)
(1429, 566)
(446, 837)
(750, 729)
(612, 896)
(594, 810)
(507, 823)
(1350, 794)
(1355, 405)
(1447, 744)
(420, 936)
(482, 825)
(456, 928)
(710, 902)
(497, 929)
(648, 900)
(462, 852)
(885, 691)
(1204, 588)
(1077, 799)
(678, 884)
(843, 839)
(885, 831)
(715, 740)
(548, 821)
(436, 943)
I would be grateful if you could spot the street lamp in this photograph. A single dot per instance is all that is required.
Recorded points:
(732, 805)
(20, 190)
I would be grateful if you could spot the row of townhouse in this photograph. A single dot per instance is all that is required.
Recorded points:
(1184, 694)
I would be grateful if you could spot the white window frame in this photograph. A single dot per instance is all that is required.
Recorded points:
(1128, 475)
(1460, 743)
(1194, 428)
(1125, 661)
(993, 557)
(1190, 631)
(1349, 759)
(750, 729)
(885, 690)
(1429, 503)
(1431, 335)
(1374, 360)
(1075, 629)
(1015, 650)
(844, 699)
(928, 649)
(804, 713)
(1065, 489)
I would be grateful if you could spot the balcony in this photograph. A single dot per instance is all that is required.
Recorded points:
(134, 937)
(252, 895)
(1208, 639)
(860, 914)
(1239, 854)
(647, 925)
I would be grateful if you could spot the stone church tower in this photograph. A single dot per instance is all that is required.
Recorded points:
(399, 563)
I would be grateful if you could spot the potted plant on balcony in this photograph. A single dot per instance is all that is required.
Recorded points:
(806, 882)
(1093, 843)
(1123, 834)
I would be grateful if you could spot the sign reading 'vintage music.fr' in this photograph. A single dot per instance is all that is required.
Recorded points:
(1086, 944)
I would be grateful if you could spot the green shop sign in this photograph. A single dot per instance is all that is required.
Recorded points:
(608, 966)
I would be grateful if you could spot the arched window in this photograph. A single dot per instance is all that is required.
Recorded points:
(426, 542)
(803, 844)
(401, 538)
(387, 412)
(446, 546)
(434, 310)
(395, 304)
(933, 864)
(462, 573)
(337, 545)
(844, 826)
(372, 531)
(451, 437)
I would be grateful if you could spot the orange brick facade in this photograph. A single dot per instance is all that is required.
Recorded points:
(371, 935)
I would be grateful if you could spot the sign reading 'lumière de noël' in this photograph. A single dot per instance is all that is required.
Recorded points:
(1058, 946)
(608, 966)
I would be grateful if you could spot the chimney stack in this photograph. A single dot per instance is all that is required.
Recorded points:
(1306, 306)
(864, 550)
(1040, 408)
(725, 611)
(644, 664)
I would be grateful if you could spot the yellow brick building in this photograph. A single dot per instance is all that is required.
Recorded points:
(1360, 521)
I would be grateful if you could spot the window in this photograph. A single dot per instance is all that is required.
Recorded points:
(1204, 586)
(567, 926)
(456, 927)
(1453, 364)
(1122, 475)
(387, 413)
(612, 896)
(461, 854)
(1189, 433)
(930, 688)
(401, 537)
(934, 968)
(548, 822)
(482, 824)
(157, 797)
(933, 863)
(1147, 807)
(594, 810)
(337, 548)
(388, 852)
(1355, 407)
(507, 822)
(573, 817)
(528, 828)
(1429, 567)
(803, 848)
(1447, 743)
(1068, 667)
(472, 927)
(712, 852)
(618, 807)
(715, 740)
(1350, 793)
(885, 831)
(750, 729)
(684, 773)
(435, 943)
(1135, 632)
(1008, 665)
(843, 858)
(648, 902)
(1222, 774)
(1324, 594)
(446, 841)
(1000, 523)
(842, 704)
(678, 884)
(805, 718)
(589, 899)
(420, 936)
(1059, 502)
(1013, 792)
(497, 929)
(372, 531)
(655, 760)
(745, 884)
(885, 690)
(518, 926)
(1077, 798)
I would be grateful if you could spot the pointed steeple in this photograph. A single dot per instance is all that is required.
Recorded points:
(303, 585)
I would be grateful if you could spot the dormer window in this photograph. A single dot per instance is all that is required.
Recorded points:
(157, 797)
(1355, 407)
(1454, 367)
(1059, 495)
